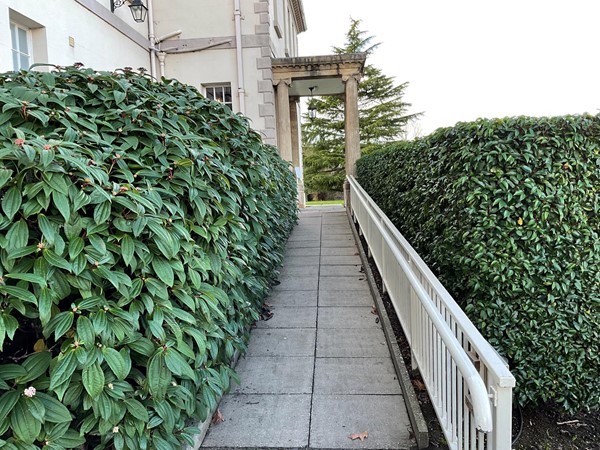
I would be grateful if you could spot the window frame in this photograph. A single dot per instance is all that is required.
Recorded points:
(15, 46)
(207, 88)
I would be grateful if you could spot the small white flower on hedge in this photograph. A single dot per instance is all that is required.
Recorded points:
(115, 430)
(29, 392)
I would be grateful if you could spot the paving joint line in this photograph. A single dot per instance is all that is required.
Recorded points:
(312, 388)
(417, 419)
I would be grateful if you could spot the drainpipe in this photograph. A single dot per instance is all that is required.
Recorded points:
(240, 63)
(152, 47)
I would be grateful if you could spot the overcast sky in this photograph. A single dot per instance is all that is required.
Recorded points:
(466, 59)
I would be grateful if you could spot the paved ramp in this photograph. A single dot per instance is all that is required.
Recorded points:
(319, 370)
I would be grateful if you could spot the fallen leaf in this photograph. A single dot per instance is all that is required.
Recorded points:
(374, 310)
(362, 436)
(217, 417)
(39, 346)
(419, 385)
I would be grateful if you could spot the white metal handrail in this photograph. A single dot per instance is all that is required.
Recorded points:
(468, 382)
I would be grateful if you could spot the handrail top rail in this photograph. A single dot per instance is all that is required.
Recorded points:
(488, 354)
(481, 405)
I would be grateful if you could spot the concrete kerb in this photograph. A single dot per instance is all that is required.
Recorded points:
(415, 414)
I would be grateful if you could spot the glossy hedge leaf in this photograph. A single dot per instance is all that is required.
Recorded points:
(93, 379)
(56, 412)
(85, 331)
(11, 202)
(127, 249)
(35, 366)
(36, 408)
(159, 377)
(23, 424)
(11, 371)
(8, 400)
(71, 439)
(116, 362)
(20, 293)
(136, 409)
(59, 324)
(63, 370)
(163, 270)
(178, 365)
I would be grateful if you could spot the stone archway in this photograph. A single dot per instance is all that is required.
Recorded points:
(331, 75)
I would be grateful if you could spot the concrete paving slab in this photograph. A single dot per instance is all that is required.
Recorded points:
(308, 225)
(282, 342)
(303, 251)
(345, 298)
(351, 343)
(335, 217)
(346, 270)
(342, 251)
(301, 271)
(290, 317)
(347, 317)
(342, 221)
(350, 283)
(332, 229)
(262, 421)
(326, 243)
(275, 375)
(301, 261)
(304, 241)
(336, 234)
(351, 376)
(293, 298)
(296, 283)
(338, 260)
(384, 417)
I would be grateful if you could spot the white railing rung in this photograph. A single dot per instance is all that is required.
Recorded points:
(443, 341)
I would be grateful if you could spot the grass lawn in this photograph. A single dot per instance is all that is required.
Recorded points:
(325, 202)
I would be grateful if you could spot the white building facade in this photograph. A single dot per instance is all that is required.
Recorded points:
(222, 47)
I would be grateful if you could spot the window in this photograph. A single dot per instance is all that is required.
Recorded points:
(220, 93)
(21, 46)
(278, 21)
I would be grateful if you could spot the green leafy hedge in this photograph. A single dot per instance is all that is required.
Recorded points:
(140, 227)
(506, 212)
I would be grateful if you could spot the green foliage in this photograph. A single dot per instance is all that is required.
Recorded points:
(507, 212)
(382, 117)
(140, 227)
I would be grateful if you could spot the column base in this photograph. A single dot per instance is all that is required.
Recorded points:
(347, 195)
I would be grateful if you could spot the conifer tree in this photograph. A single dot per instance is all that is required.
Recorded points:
(382, 118)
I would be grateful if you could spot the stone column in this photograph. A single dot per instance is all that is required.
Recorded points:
(351, 123)
(284, 129)
(295, 131)
(351, 130)
(296, 145)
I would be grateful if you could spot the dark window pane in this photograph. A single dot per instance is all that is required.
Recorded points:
(23, 41)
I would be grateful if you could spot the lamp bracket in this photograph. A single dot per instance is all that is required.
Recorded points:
(114, 4)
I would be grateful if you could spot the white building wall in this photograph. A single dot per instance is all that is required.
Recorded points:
(95, 42)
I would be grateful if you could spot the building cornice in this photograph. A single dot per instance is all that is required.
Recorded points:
(320, 62)
(299, 15)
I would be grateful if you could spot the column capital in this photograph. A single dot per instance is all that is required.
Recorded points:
(355, 76)
(287, 81)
